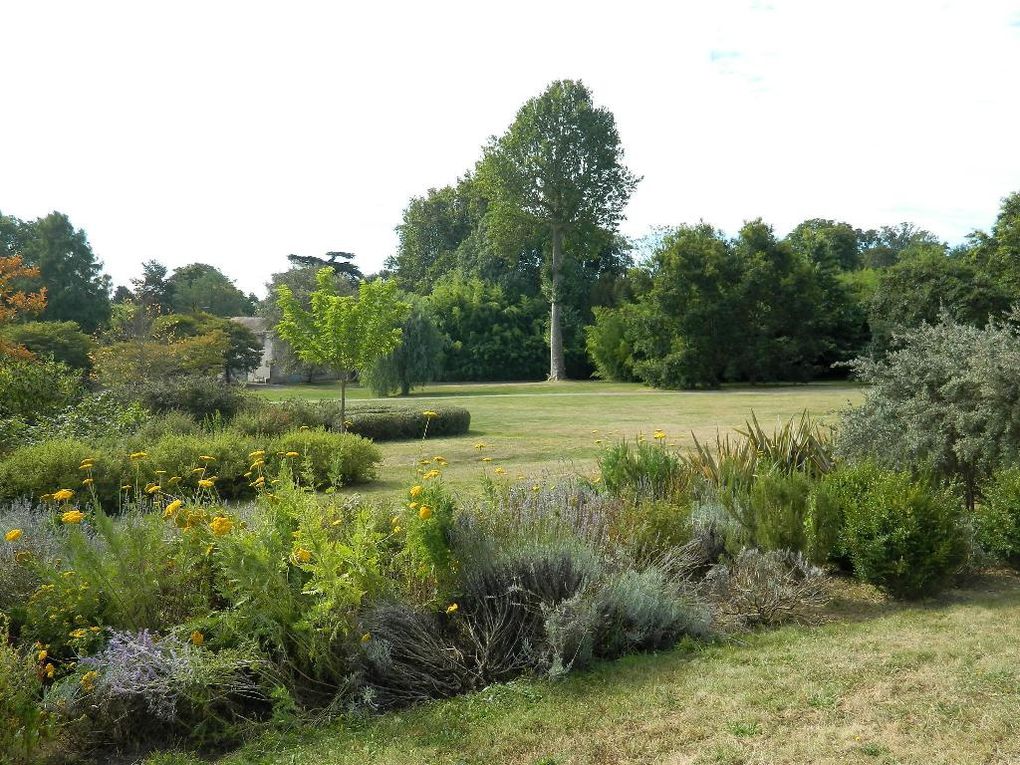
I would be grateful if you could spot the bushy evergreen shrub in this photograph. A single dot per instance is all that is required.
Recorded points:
(997, 518)
(902, 534)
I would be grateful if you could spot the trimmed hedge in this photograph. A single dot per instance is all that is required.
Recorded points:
(45, 467)
(378, 422)
(393, 424)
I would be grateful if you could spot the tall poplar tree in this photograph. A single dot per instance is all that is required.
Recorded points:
(558, 166)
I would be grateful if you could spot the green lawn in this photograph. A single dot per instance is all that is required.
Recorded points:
(937, 683)
(540, 431)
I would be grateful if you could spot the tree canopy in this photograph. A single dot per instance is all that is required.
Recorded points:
(558, 167)
(342, 332)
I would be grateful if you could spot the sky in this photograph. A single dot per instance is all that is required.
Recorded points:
(234, 133)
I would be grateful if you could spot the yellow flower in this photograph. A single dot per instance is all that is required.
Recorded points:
(221, 525)
(304, 427)
(85, 466)
(396, 529)
(207, 458)
(293, 454)
(479, 445)
(88, 680)
(41, 656)
(79, 633)
(206, 483)
(366, 637)
(452, 608)
(73, 516)
(197, 638)
(126, 487)
(13, 535)
(536, 488)
(63, 495)
(198, 470)
(412, 505)
(152, 488)
(138, 455)
(301, 555)
(659, 434)
(500, 471)
(172, 508)
(257, 455)
(160, 472)
(416, 490)
(440, 460)
(50, 671)
(430, 414)
(486, 459)
(87, 482)
(431, 474)
(257, 464)
(394, 520)
(425, 512)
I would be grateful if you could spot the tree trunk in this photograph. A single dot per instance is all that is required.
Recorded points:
(557, 365)
(343, 402)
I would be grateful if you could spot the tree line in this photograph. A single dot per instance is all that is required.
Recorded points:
(518, 271)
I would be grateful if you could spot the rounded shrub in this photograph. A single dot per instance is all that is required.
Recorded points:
(201, 397)
(396, 424)
(334, 458)
(902, 534)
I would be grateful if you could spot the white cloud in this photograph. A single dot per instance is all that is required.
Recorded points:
(237, 132)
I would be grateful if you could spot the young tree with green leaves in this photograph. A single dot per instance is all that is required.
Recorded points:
(342, 332)
(559, 166)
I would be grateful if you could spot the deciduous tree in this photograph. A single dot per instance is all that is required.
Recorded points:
(342, 332)
(560, 167)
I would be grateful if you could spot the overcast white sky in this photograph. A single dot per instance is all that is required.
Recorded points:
(233, 133)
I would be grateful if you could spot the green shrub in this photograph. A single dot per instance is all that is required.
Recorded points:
(843, 488)
(62, 341)
(903, 535)
(22, 724)
(94, 415)
(269, 420)
(641, 469)
(30, 389)
(652, 528)
(43, 468)
(201, 397)
(770, 513)
(166, 424)
(997, 518)
(395, 424)
(333, 458)
(324, 459)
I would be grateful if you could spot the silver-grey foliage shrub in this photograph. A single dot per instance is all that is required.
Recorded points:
(944, 398)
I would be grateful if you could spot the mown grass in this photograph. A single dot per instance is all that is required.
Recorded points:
(545, 430)
(937, 683)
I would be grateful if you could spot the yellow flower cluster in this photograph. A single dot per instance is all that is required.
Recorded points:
(13, 535)
(221, 525)
(72, 516)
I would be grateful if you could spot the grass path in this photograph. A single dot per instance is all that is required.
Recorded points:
(545, 430)
(937, 683)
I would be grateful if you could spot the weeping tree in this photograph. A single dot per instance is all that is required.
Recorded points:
(559, 167)
(416, 361)
(345, 333)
